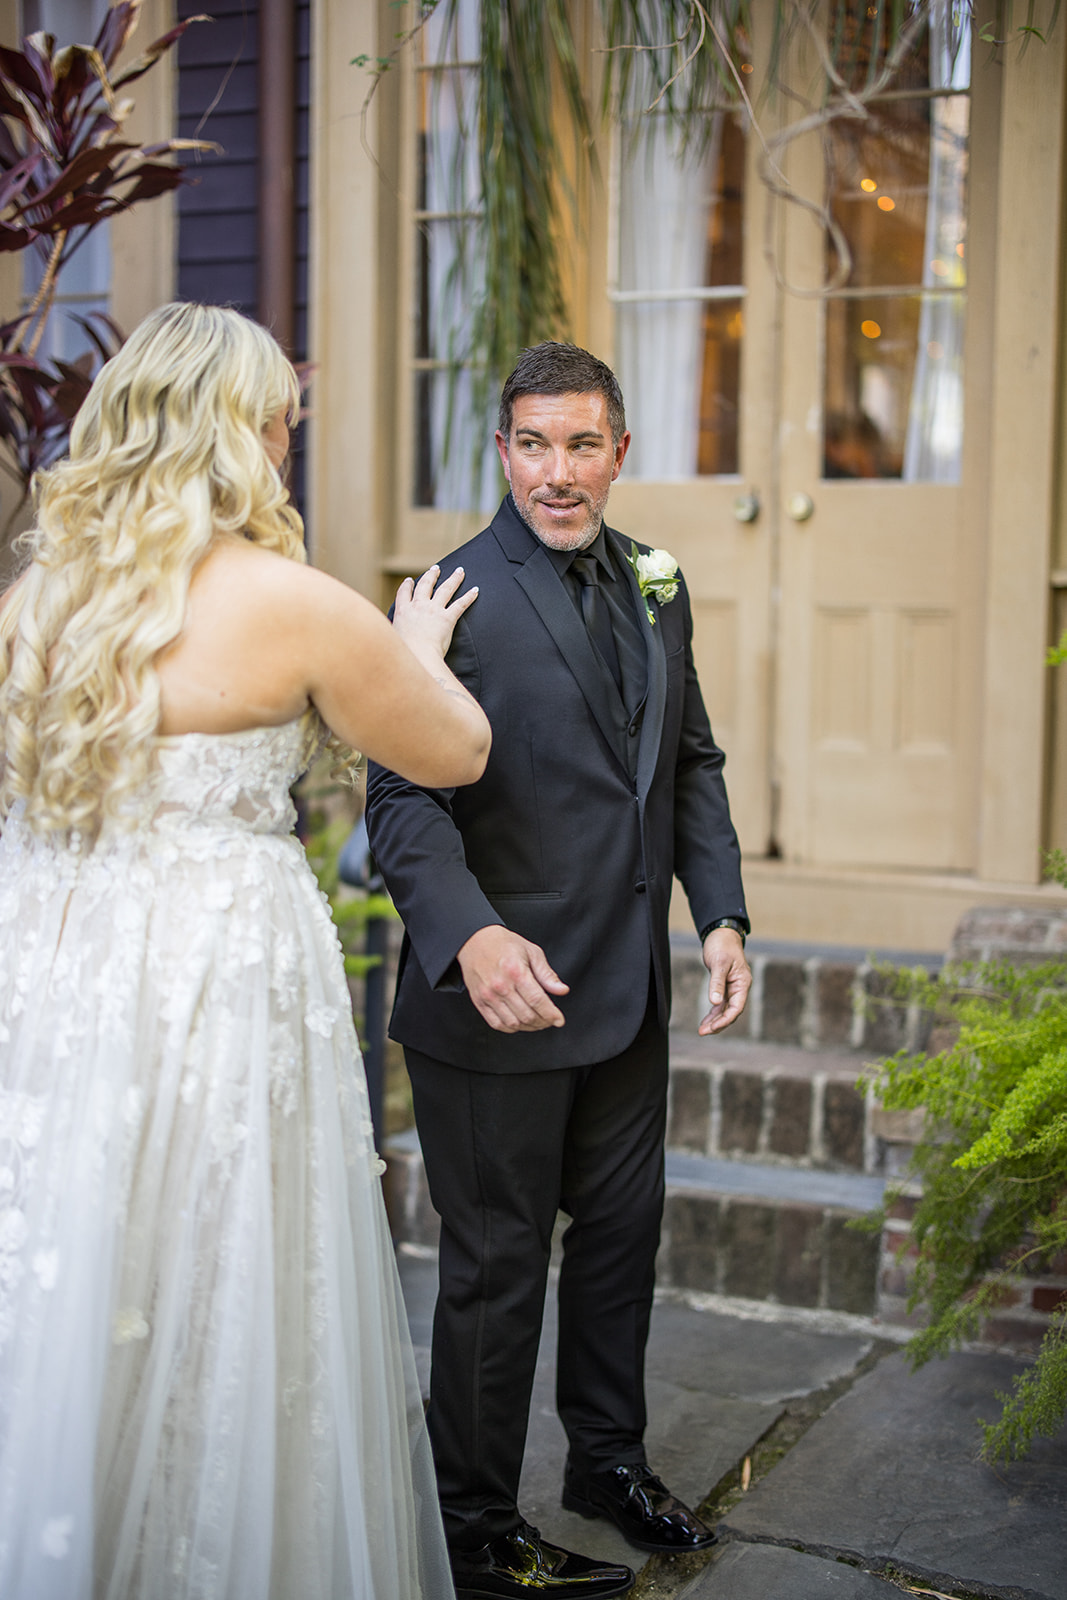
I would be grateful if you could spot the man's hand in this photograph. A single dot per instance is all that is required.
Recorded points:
(510, 981)
(730, 980)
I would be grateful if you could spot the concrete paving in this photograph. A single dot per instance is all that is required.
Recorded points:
(767, 1572)
(697, 1430)
(884, 1484)
(889, 1476)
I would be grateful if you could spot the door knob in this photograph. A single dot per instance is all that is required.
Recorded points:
(800, 506)
(746, 507)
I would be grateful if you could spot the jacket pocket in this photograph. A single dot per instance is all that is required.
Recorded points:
(520, 894)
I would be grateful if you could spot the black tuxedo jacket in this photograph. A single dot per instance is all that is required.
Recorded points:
(576, 829)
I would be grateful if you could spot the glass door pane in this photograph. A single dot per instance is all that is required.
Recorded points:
(679, 297)
(896, 185)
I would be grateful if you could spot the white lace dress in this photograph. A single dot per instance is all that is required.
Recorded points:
(206, 1384)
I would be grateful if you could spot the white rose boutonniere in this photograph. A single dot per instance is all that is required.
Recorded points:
(657, 577)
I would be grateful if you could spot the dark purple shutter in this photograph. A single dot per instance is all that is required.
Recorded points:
(218, 98)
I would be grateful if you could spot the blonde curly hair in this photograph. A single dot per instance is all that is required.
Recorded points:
(166, 454)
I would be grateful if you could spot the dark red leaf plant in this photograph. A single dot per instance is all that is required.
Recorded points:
(65, 167)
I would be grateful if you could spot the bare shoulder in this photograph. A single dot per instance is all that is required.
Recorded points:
(252, 580)
(249, 574)
(249, 642)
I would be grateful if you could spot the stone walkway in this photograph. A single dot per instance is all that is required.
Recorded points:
(882, 1492)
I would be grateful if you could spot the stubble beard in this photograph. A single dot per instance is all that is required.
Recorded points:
(556, 538)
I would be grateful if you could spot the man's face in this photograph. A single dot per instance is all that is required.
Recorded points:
(560, 462)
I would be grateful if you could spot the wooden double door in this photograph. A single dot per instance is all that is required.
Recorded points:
(838, 557)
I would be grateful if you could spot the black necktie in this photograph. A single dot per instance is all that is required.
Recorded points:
(595, 614)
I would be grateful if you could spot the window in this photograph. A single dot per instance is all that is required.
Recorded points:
(455, 462)
(896, 184)
(678, 295)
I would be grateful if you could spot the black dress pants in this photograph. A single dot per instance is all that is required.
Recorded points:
(503, 1153)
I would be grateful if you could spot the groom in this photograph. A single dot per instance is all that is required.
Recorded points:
(534, 986)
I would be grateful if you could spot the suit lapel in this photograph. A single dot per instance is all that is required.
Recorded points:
(656, 691)
(540, 581)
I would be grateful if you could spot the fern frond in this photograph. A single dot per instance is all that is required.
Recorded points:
(1038, 1401)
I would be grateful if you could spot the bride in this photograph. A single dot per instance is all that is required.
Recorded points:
(206, 1389)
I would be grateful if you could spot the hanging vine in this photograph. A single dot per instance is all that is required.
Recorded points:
(687, 58)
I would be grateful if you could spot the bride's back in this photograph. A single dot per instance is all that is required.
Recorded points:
(167, 453)
(234, 665)
(168, 591)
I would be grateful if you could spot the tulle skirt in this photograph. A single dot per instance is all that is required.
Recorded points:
(206, 1384)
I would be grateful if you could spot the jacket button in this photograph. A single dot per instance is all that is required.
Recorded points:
(639, 887)
(632, 730)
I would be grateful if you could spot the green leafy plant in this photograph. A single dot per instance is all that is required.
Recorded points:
(992, 1164)
(351, 909)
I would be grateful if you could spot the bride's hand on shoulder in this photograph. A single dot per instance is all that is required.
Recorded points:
(426, 611)
(387, 690)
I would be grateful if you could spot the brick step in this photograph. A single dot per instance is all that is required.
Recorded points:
(772, 1149)
(749, 1100)
(774, 1142)
(774, 1234)
(777, 1234)
(811, 995)
(730, 1228)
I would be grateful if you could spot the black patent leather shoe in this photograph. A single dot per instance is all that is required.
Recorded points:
(521, 1565)
(641, 1507)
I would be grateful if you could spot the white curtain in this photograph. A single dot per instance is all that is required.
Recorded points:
(666, 197)
(934, 438)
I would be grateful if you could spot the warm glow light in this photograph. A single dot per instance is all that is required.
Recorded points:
(885, 203)
(870, 330)
(940, 269)
(934, 350)
(868, 184)
(959, 249)
(746, 66)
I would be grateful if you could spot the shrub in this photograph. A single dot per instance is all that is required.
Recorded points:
(993, 1166)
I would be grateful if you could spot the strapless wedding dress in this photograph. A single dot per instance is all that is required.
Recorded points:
(206, 1383)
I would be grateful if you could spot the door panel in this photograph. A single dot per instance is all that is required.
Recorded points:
(838, 633)
(875, 761)
(726, 568)
(728, 562)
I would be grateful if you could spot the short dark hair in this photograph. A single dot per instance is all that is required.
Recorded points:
(552, 368)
